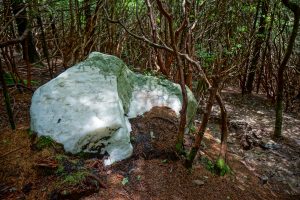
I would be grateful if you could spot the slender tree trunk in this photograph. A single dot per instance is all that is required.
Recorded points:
(246, 63)
(78, 15)
(22, 24)
(7, 99)
(72, 27)
(44, 44)
(224, 128)
(153, 25)
(90, 28)
(257, 46)
(56, 41)
(264, 54)
(280, 82)
(182, 123)
(27, 61)
(199, 136)
(87, 14)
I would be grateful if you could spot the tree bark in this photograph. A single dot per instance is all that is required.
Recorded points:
(224, 128)
(199, 136)
(257, 47)
(44, 44)
(22, 24)
(295, 8)
(7, 99)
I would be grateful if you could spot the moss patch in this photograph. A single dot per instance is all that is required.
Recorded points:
(127, 80)
(74, 178)
(44, 142)
(219, 167)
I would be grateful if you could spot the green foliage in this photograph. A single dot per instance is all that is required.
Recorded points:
(44, 142)
(149, 72)
(60, 169)
(192, 129)
(74, 178)
(33, 82)
(242, 29)
(207, 57)
(234, 50)
(209, 165)
(9, 80)
(125, 181)
(179, 147)
(220, 167)
(31, 134)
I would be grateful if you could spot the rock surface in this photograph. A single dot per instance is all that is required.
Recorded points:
(87, 107)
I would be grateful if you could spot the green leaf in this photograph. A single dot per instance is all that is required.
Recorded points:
(165, 161)
(125, 181)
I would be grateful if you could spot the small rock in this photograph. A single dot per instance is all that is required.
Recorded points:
(257, 134)
(12, 189)
(269, 144)
(198, 182)
(260, 112)
(152, 135)
(241, 187)
(263, 179)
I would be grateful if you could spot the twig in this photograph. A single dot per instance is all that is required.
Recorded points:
(15, 41)
(12, 151)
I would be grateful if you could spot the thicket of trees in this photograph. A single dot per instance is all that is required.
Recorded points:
(203, 44)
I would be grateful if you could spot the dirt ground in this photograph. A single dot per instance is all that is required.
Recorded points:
(261, 167)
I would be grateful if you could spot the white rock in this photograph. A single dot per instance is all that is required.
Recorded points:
(86, 107)
(198, 182)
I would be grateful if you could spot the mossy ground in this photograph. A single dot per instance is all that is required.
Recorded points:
(219, 167)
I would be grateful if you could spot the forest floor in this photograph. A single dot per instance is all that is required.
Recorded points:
(261, 167)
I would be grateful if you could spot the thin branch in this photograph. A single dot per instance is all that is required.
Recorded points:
(15, 41)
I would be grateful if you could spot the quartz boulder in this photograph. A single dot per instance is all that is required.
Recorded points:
(86, 108)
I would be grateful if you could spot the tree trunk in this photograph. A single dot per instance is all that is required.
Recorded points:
(182, 123)
(7, 99)
(71, 18)
(78, 16)
(224, 128)
(257, 46)
(280, 82)
(264, 54)
(199, 136)
(22, 24)
(246, 63)
(44, 44)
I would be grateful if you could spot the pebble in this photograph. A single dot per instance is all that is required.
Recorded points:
(263, 179)
(198, 182)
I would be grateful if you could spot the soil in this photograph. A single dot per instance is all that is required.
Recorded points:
(261, 167)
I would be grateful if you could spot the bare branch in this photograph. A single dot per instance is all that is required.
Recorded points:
(15, 41)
